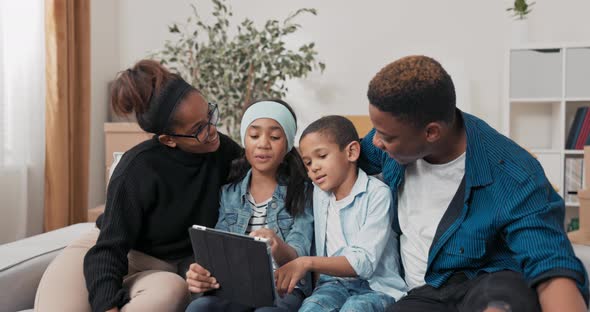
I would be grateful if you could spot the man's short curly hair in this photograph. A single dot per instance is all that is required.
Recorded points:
(339, 129)
(416, 89)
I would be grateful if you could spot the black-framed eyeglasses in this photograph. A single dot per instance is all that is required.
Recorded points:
(202, 133)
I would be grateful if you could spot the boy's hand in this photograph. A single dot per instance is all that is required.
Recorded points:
(287, 276)
(199, 279)
(273, 239)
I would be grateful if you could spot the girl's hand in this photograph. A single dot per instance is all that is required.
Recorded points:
(199, 280)
(287, 276)
(273, 239)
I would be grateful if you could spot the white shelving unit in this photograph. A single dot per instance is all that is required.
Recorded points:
(545, 84)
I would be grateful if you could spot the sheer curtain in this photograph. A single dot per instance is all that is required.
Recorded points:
(22, 118)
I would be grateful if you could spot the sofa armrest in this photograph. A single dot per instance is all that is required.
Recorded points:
(23, 262)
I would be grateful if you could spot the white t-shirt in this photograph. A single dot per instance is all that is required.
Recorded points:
(424, 198)
(334, 236)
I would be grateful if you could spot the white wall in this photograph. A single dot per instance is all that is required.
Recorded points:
(104, 58)
(355, 39)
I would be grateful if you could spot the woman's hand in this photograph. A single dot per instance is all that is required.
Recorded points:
(200, 280)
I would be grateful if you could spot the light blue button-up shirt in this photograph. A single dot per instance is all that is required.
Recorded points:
(371, 244)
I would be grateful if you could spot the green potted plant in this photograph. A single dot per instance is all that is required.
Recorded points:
(520, 9)
(232, 68)
(519, 12)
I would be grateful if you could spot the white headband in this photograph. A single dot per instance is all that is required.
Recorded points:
(273, 110)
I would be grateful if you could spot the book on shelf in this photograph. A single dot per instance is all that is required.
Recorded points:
(579, 129)
(574, 167)
(584, 131)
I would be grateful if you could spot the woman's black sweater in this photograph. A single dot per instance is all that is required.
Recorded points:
(154, 195)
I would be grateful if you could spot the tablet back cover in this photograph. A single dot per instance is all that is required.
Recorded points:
(241, 265)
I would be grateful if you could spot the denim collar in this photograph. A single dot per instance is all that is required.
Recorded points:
(280, 190)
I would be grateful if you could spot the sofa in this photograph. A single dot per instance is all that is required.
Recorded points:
(23, 262)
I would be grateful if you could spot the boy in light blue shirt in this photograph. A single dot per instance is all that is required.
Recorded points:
(357, 251)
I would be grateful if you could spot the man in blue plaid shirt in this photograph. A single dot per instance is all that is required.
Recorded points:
(480, 227)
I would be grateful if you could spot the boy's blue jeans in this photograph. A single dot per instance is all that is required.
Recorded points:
(344, 294)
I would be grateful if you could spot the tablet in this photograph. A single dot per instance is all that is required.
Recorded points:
(241, 264)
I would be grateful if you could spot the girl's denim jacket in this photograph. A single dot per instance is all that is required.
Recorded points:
(235, 213)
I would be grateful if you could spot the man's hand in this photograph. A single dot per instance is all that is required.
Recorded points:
(287, 276)
(200, 280)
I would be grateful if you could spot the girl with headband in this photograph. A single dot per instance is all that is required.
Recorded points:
(137, 256)
(269, 195)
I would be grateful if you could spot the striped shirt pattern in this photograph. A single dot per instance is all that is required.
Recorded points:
(258, 219)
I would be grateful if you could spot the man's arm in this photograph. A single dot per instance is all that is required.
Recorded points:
(560, 294)
(371, 158)
(534, 231)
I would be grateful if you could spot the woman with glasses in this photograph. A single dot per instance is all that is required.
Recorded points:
(136, 257)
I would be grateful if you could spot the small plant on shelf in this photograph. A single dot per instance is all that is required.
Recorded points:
(521, 9)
